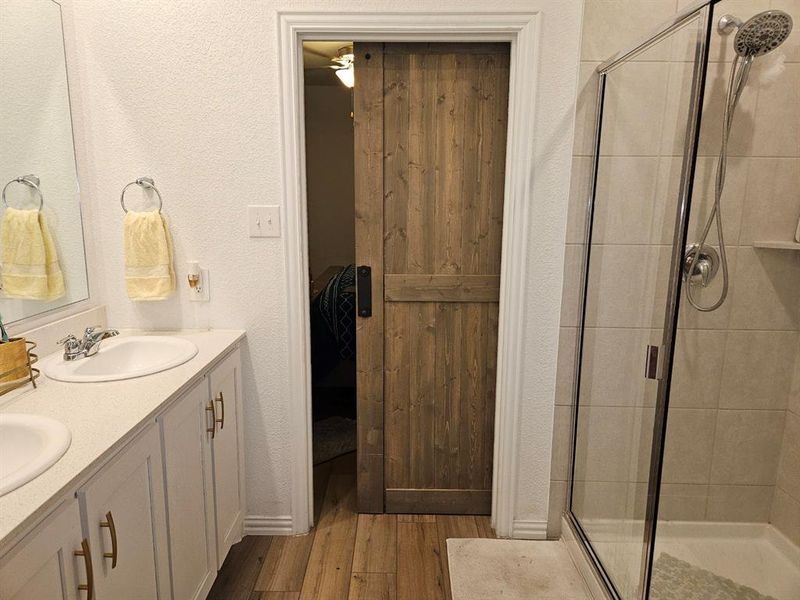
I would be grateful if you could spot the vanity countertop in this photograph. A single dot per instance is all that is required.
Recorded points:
(101, 417)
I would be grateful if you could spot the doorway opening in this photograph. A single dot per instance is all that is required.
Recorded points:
(328, 103)
(405, 169)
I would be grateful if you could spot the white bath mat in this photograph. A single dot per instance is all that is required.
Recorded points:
(484, 569)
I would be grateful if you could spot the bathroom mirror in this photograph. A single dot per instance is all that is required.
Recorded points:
(37, 151)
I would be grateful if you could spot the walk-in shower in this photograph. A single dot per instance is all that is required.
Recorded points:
(685, 476)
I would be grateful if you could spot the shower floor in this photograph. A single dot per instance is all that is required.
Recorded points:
(751, 554)
(755, 555)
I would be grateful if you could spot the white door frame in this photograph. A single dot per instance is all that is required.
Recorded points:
(521, 29)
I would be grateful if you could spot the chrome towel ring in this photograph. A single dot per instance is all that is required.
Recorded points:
(32, 181)
(146, 183)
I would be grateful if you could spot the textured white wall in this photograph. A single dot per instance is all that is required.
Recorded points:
(187, 92)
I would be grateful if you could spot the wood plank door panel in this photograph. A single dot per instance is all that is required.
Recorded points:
(437, 113)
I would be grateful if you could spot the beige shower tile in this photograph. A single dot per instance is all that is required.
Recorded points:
(791, 47)
(739, 503)
(689, 444)
(776, 130)
(579, 189)
(697, 368)
(612, 369)
(627, 286)
(635, 93)
(682, 502)
(613, 443)
(747, 445)
(786, 515)
(562, 441)
(668, 190)
(565, 374)
(741, 141)
(765, 289)
(678, 106)
(573, 285)
(758, 369)
(626, 208)
(733, 199)
(611, 25)
(556, 507)
(794, 395)
(772, 200)
(599, 499)
(789, 466)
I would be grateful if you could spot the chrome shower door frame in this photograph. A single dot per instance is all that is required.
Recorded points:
(701, 10)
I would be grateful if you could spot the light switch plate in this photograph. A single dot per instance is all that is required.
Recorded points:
(264, 221)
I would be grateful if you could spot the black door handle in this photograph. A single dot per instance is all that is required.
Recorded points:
(364, 291)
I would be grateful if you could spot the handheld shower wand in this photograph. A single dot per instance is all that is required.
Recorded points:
(759, 35)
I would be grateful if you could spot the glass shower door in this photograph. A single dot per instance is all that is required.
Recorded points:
(645, 156)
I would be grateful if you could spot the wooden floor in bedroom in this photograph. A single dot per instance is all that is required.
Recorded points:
(347, 556)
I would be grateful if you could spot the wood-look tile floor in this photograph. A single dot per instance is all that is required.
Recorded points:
(347, 556)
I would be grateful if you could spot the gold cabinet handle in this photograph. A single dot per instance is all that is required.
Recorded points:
(109, 522)
(88, 587)
(221, 420)
(213, 429)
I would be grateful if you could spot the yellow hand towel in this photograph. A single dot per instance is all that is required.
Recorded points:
(149, 274)
(29, 262)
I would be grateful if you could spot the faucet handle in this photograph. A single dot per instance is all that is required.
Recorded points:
(69, 341)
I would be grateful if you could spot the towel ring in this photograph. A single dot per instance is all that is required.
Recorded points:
(32, 181)
(146, 183)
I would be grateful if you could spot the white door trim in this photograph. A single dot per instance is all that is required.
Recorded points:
(521, 29)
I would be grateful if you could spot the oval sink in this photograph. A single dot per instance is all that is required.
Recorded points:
(122, 358)
(29, 445)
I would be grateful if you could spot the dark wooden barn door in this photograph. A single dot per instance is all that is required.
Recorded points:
(430, 137)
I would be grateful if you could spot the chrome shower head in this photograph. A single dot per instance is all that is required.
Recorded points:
(762, 33)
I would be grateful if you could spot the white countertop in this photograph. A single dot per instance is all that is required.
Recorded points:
(101, 417)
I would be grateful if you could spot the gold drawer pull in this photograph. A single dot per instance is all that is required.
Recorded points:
(213, 429)
(88, 587)
(109, 522)
(221, 420)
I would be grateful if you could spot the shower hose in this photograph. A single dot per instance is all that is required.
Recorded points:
(740, 70)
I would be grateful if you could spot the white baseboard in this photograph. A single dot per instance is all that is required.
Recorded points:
(525, 529)
(261, 525)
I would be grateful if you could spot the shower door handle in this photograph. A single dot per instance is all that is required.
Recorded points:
(364, 291)
(653, 363)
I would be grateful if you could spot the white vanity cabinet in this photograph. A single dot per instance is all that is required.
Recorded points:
(44, 565)
(227, 452)
(204, 470)
(126, 523)
(157, 518)
(190, 494)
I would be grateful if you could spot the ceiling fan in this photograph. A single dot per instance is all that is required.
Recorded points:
(342, 62)
(344, 66)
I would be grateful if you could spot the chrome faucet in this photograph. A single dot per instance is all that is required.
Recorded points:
(88, 346)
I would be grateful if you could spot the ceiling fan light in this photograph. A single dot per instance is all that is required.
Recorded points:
(346, 75)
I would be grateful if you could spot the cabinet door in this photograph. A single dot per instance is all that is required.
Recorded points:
(43, 564)
(190, 495)
(129, 492)
(227, 453)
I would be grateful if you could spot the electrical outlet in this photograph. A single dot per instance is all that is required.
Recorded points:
(264, 221)
(202, 292)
